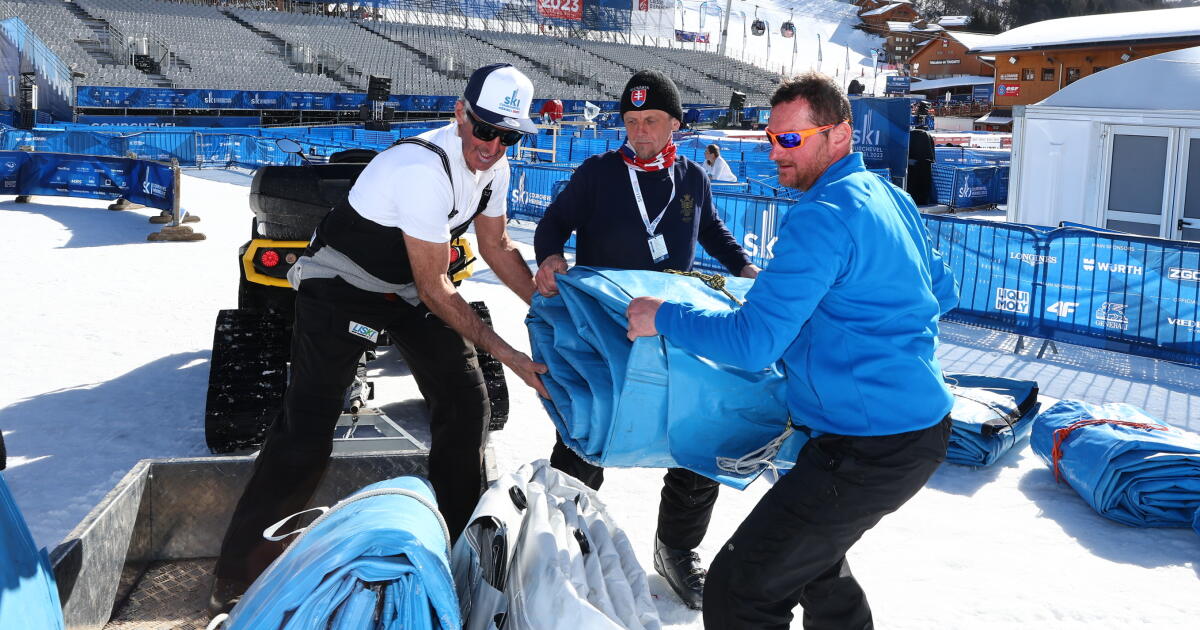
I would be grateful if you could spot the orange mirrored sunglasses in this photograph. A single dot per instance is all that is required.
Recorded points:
(793, 139)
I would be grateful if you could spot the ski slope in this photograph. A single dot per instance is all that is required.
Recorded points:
(106, 342)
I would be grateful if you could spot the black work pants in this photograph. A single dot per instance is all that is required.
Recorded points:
(686, 505)
(324, 358)
(791, 550)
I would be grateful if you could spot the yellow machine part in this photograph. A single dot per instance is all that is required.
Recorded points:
(461, 244)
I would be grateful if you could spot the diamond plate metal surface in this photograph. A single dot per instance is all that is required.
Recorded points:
(193, 499)
(170, 596)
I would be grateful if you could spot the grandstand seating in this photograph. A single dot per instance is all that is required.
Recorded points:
(207, 47)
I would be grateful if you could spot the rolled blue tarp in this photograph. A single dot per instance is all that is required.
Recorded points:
(647, 403)
(28, 595)
(1129, 466)
(991, 415)
(377, 560)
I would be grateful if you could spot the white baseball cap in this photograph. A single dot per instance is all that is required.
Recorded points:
(500, 95)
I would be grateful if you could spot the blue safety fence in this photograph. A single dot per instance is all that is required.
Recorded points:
(145, 182)
(246, 148)
(1109, 290)
(753, 219)
(970, 186)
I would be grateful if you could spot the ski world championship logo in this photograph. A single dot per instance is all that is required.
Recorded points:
(868, 138)
(511, 104)
(1012, 301)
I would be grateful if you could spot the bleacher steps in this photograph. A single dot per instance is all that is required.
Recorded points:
(427, 60)
(279, 48)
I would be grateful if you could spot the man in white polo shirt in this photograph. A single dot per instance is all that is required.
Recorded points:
(379, 262)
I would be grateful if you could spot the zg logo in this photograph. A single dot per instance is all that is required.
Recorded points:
(1012, 301)
(1062, 309)
(1181, 273)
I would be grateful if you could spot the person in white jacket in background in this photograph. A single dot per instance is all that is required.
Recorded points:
(717, 168)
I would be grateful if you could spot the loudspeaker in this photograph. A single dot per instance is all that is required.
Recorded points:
(737, 100)
(378, 88)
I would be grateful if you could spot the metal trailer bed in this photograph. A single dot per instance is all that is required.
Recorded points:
(142, 559)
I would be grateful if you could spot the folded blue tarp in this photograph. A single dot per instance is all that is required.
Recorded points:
(28, 596)
(1129, 466)
(379, 559)
(648, 403)
(991, 415)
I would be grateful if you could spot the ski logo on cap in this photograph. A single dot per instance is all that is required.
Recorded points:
(637, 95)
(511, 104)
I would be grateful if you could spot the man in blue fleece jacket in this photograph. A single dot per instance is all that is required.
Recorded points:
(850, 302)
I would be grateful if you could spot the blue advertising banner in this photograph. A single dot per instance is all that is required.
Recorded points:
(1101, 289)
(149, 183)
(981, 93)
(167, 98)
(168, 121)
(881, 133)
(10, 171)
(898, 85)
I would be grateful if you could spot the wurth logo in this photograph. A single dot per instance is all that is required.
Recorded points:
(1090, 264)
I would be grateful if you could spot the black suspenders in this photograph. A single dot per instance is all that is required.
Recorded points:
(483, 200)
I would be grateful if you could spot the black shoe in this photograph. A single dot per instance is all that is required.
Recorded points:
(682, 570)
(224, 596)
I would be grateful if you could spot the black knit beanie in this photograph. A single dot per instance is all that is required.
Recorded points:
(651, 89)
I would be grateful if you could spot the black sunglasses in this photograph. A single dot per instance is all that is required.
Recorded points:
(487, 132)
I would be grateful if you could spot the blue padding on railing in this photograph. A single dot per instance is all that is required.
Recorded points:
(970, 186)
(93, 177)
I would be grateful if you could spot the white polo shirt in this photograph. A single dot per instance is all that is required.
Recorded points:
(406, 187)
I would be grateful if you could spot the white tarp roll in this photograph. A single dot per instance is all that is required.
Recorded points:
(541, 552)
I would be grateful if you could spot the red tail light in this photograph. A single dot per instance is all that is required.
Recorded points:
(269, 258)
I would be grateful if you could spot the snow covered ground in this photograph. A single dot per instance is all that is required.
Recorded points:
(106, 342)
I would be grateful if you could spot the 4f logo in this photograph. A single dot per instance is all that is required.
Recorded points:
(1062, 309)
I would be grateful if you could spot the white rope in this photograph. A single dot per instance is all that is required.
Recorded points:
(757, 460)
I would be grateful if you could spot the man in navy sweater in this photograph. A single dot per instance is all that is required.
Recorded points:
(643, 207)
(850, 303)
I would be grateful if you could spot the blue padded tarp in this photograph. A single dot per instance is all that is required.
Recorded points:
(991, 415)
(1134, 475)
(648, 403)
(379, 559)
(28, 596)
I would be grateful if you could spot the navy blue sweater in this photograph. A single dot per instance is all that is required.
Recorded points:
(598, 205)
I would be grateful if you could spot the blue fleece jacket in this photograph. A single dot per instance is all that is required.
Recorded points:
(850, 302)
